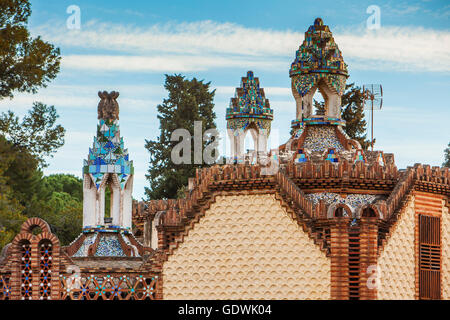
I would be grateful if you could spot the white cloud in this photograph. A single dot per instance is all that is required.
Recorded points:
(207, 45)
(166, 63)
(85, 97)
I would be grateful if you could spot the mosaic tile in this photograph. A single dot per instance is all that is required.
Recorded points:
(320, 138)
(249, 106)
(318, 58)
(108, 154)
(83, 251)
(109, 246)
(352, 200)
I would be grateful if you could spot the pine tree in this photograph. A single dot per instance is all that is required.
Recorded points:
(319, 107)
(37, 133)
(447, 157)
(353, 114)
(188, 101)
(11, 217)
(26, 63)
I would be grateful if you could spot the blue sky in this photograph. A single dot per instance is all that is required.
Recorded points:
(128, 46)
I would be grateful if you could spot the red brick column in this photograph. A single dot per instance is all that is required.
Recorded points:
(339, 259)
(368, 258)
(14, 281)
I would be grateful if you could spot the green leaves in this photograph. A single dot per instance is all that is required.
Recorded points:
(26, 63)
(37, 133)
(353, 114)
(447, 157)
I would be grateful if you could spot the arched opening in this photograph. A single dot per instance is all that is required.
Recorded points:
(108, 200)
(318, 104)
(339, 212)
(342, 211)
(368, 213)
(35, 230)
(45, 269)
(249, 144)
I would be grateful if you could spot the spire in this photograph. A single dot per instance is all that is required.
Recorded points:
(249, 111)
(318, 64)
(249, 106)
(107, 165)
(108, 154)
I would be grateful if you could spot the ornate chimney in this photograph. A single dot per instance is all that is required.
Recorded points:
(107, 167)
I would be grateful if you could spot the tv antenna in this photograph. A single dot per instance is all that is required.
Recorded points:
(374, 94)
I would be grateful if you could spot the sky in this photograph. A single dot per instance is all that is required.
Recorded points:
(129, 46)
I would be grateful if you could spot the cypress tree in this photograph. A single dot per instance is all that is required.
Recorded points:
(188, 101)
(447, 157)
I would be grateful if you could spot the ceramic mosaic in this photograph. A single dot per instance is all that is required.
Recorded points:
(300, 156)
(249, 106)
(109, 246)
(332, 156)
(318, 58)
(108, 154)
(83, 251)
(320, 138)
(299, 130)
(380, 159)
(359, 156)
(352, 200)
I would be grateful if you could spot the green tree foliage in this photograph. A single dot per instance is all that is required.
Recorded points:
(64, 183)
(319, 107)
(25, 193)
(61, 205)
(20, 172)
(352, 113)
(447, 157)
(37, 133)
(11, 217)
(188, 101)
(26, 63)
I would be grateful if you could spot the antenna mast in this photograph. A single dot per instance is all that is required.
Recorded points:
(374, 93)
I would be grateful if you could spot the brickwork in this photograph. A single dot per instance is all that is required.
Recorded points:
(445, 250)
(339, 259)
(368, 258)
(34, 242)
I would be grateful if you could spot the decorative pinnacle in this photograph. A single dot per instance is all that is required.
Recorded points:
(108, 108)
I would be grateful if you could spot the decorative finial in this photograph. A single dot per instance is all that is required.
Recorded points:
(108, 108)
(318, 22)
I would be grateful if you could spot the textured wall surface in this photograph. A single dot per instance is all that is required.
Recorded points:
(445, 253)
(247, 247)
(396, 264)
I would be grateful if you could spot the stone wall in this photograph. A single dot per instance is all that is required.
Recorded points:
(247, 247)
